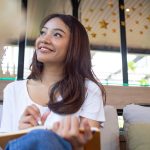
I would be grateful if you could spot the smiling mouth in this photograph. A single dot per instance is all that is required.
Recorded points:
(45, 49)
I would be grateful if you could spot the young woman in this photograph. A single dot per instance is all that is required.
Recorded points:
(61, 80)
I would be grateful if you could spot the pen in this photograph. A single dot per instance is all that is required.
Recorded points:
(93, 129)
(39, 122)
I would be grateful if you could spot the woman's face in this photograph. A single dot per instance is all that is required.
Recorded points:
(52, 44)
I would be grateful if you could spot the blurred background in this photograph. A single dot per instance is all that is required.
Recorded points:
(119, 33)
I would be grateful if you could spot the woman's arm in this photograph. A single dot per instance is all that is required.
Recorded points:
(6, 122)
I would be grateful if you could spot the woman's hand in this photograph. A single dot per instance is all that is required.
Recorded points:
(70, 129)
(30, 117)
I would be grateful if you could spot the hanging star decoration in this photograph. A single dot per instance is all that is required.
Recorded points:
(101, 9)
(141, 32)
(121, 7)
(110, 5)
(113, 13)
(131, 30)
(146, 27)
(88, 28)
(91, 10)
(128, 16)
(137, 22)
(140, 14)
(114, 20)
(133, 8)
(104, 34)
(140, 4)
(93, 35)
(148, 18)
(122, 23)
(114, 30)
(86, 19)
(103, 24)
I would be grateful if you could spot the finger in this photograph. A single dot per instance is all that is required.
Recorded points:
(25, 122)
(24, 126)
(55, 127)
(87, 129)
(65, 126)
(29, 120)
(36, 112)
(32, 110)
(44, 116)
(67, 123)
(75, 125)
(61, 126)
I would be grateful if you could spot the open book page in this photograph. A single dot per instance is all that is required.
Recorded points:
(6, 137)
(3, 134)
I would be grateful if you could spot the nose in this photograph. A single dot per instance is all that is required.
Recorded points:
(46, 39)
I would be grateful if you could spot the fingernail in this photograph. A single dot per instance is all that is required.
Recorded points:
(39, 122)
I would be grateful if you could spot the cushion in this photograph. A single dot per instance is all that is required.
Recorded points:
(135, 114)
(139, 136)
(110, 131)
(136, 125)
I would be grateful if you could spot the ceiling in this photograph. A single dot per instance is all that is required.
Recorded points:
(100, 18)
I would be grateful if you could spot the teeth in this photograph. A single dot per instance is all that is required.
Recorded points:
(46, 50)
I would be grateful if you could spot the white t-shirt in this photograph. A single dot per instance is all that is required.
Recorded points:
(16, 99)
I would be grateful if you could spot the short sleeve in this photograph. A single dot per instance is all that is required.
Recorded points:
(6, 122)
(93, 107)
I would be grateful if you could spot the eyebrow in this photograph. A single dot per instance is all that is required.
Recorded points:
(58, 29)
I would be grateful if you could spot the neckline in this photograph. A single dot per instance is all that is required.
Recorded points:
(28, 96)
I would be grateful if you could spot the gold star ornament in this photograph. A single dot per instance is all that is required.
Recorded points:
(131, 30)
(104, 34)
(93, 35)
(114, 30)
(111, 5)
(88, 28)
(121, 7)
(146, 27)
(86, 19)
(103, 24)
(122, 23)
(148, 18)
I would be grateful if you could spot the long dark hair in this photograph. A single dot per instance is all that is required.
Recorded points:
(77, 68)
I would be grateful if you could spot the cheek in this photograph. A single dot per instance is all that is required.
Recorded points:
(66, 45)
(37, 42)
(65, 49)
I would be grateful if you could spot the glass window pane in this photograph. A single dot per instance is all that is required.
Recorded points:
(9, 62)
(11, 25)
(28, 59)
(101, 20)
(138, 35)
(138, 69)
(106, 66)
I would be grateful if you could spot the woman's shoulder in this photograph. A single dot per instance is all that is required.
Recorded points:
(16, 84)
(90, 85)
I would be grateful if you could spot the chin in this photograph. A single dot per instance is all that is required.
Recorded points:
(43, 60)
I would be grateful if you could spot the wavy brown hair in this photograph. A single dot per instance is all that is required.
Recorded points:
(77, 68)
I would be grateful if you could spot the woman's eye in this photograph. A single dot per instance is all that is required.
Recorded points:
(57, 35)
(42, 32)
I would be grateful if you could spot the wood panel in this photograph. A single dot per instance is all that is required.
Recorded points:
(119, 96)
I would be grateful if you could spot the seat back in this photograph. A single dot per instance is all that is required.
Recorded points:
(110, 131)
